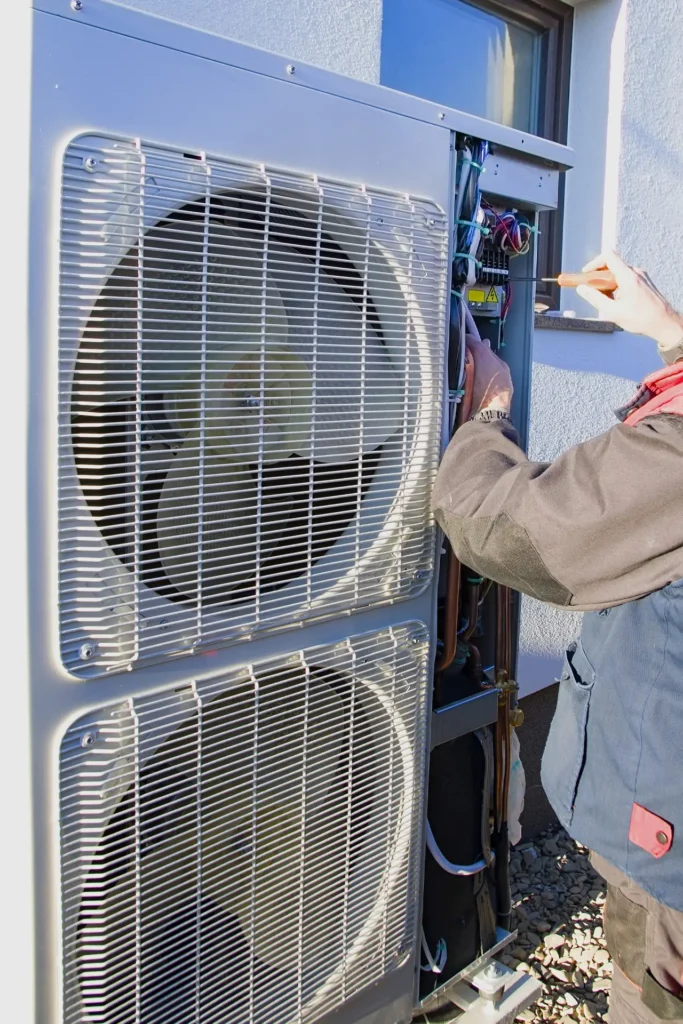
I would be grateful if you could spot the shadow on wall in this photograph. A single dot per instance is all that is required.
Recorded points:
(578, 380)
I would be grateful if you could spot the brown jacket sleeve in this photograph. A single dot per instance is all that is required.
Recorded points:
(601, 525)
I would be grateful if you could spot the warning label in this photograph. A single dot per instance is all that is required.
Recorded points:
(492, 297)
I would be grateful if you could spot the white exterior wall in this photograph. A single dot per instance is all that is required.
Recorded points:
(626, 106)
(338, 35)
(626, 111)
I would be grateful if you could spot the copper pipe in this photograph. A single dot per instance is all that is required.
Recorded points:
(464, 410)
(475, 661)
(502, 731)
(453, 567)
(451, 612)
(473, 590)
(502, 656)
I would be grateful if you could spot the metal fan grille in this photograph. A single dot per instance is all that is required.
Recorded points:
(249, 399)
(244, 848)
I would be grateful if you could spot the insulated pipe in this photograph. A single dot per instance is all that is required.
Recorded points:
(446, 865)
(451, 613)
(502, 785)
(452, 605)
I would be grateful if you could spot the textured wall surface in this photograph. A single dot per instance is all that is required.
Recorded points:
(594, 91)
(578, 380)
(650, 216)
(626, 108)
(340, 35)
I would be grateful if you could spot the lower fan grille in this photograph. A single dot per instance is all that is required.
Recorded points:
(243, 849)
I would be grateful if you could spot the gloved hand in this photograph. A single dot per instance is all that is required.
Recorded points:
(637, 306)
(492, 387)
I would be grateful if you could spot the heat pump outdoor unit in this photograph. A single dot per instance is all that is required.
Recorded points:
(238, 282)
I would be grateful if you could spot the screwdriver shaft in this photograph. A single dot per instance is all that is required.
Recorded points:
(601, 280)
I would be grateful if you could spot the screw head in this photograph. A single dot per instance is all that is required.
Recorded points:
(87, 739)
(163, 623)
(76, 5)
(90, 164)
(442, 116)
(493, 970)
(290, 69)
(86, 652)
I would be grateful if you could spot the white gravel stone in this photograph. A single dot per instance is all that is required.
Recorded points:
(558, 914)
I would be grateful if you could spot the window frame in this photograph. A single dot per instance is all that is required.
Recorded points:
(555, 21)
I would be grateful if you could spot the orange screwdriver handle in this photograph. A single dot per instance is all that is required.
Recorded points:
(602, 280)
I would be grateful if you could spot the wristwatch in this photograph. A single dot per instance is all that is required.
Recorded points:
(490, 415)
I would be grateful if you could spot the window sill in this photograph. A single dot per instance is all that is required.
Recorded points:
(574, 323)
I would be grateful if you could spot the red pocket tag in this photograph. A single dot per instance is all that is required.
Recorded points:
(650, 832)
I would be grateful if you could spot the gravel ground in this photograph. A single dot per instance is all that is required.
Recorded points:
(558, 901)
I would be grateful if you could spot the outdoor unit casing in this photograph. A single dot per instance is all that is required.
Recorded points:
(238, 305)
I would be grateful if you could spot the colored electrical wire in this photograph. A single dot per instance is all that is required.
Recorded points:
(511, 232)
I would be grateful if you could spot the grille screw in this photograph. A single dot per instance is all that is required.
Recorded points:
(290, 69)
(87, 739)
(90, 164)
(442, 116)
(493, 970)
(76, 5)
(86, 652)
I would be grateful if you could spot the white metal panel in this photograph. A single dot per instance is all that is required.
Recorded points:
(113, 17)
(244, 849)
(172, 100)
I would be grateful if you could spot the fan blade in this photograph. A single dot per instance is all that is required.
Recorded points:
(358, 391)
(256, 401)
(212, 503)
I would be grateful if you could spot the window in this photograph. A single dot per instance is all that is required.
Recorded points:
(505, 60)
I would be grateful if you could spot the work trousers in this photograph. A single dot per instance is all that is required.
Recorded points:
(645, 941)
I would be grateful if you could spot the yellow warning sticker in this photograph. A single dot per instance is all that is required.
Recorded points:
(476, 295)
(492, 297)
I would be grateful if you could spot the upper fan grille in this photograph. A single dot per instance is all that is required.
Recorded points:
(244, 849)
(249, 399)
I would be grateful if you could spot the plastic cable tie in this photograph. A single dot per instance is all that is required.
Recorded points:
(475, 224)
(467, 256)
(473, 163)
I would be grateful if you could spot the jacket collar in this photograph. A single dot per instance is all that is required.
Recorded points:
(661, 391)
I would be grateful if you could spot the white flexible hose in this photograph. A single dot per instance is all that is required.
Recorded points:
(446, 865)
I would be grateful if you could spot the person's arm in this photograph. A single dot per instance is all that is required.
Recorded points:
(599, 526)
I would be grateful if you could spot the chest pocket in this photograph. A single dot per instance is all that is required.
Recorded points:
(565, 750)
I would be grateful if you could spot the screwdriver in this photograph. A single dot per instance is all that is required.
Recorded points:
(602, 280)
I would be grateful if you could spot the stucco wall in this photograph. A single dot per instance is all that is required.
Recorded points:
(340, 35)
(578, 380)
(626, 107)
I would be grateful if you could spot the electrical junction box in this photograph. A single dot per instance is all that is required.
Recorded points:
(485, 299)
(236, 353)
